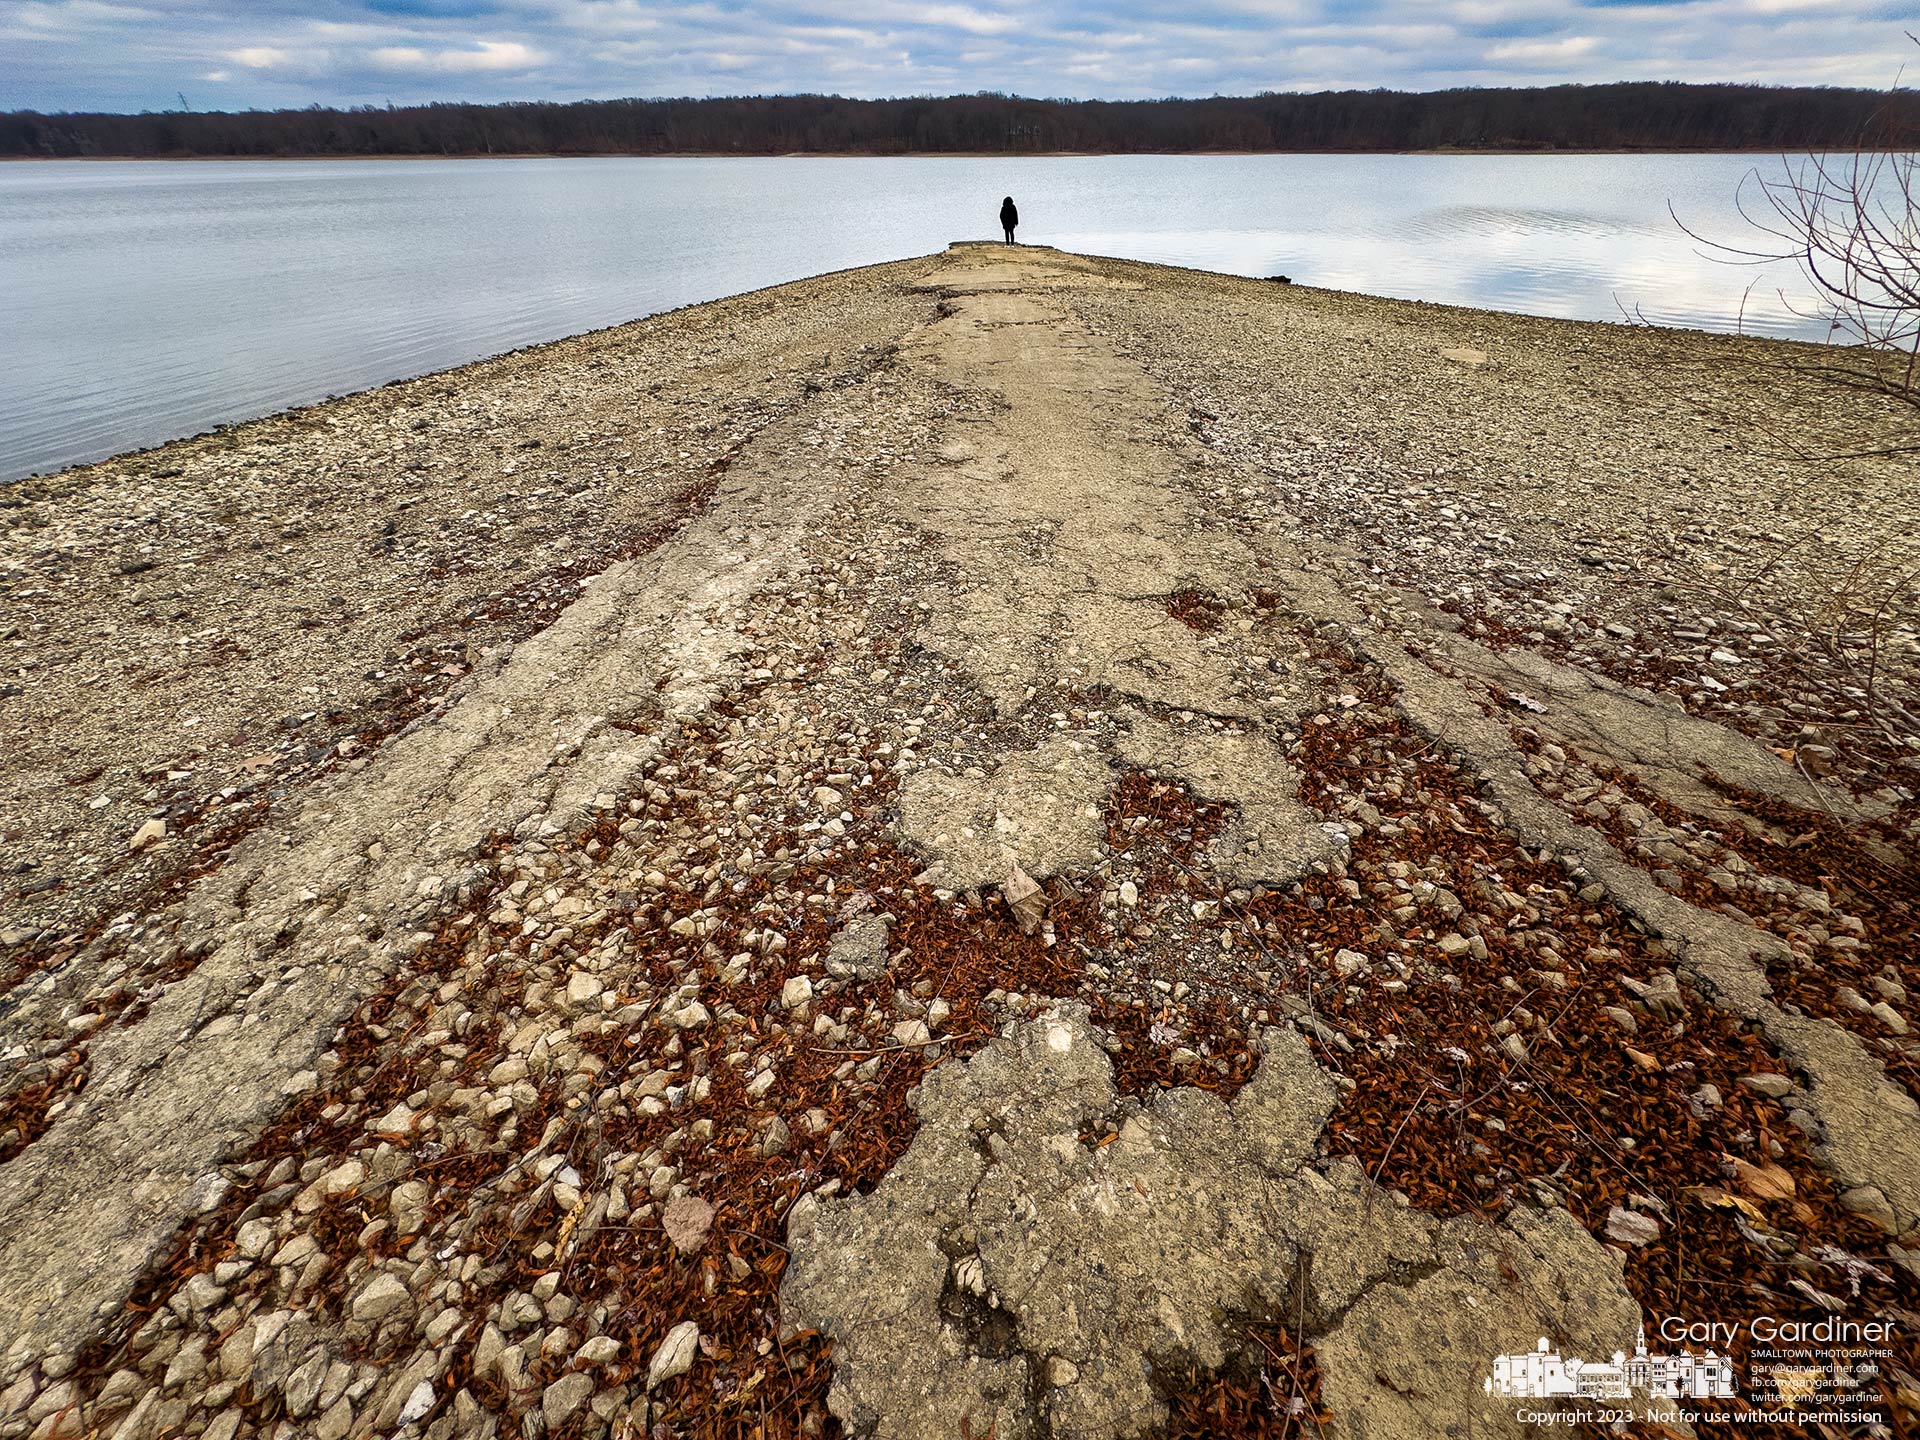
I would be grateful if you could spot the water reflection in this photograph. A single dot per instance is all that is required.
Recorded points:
(147, 300)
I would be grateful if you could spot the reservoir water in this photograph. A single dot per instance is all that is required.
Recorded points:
(145, 300)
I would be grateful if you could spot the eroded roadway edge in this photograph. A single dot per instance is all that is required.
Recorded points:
(307, 919)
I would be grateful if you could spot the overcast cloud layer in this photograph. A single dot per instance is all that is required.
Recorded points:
(143, 54)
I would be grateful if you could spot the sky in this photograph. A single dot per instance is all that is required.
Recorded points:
(148, 54)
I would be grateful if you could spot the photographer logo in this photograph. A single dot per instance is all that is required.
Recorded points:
(1544, 1373)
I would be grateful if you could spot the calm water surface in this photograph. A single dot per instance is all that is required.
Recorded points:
(140, 301)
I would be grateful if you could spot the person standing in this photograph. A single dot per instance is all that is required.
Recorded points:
(1009, 217)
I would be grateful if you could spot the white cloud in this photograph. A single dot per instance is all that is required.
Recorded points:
(372, 31)
(260, 57)
(965, 17)
(486, 55)
(1543, 52)
(73, 15)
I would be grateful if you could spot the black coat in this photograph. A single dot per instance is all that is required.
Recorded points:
(1009, 217)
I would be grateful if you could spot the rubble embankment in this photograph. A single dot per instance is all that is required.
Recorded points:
(1006, 844)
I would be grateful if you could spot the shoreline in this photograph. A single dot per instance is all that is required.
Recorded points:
(42, 479)
(532, 347)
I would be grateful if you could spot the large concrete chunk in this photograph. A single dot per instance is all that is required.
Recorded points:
(1040, 809)
(1274, 838)
(1047, 1248)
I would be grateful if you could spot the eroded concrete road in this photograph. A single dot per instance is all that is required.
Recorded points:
(1278, 969)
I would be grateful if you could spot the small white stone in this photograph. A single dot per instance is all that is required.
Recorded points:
(379, 1298)
(675, 1355)
(912, 1032)
(418, 1403)
(397, 1121)
(600, 1350)
(254, 1239)
(343, 1179)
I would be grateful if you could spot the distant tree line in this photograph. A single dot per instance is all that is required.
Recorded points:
(1630, 116)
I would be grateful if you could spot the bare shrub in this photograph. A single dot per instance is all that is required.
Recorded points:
(1850, 223)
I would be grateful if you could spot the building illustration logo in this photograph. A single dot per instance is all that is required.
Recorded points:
(1544, 1373)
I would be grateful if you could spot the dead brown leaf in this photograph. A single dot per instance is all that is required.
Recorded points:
(1765, 1181)
(1026, 899)
(1717, 1199)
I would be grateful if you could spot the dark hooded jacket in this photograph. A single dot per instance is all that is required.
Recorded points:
(1009, 216)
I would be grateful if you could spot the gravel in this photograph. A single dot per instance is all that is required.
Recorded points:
(1013, 630)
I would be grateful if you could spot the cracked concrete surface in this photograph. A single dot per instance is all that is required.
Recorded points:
(1039, 809)
(1010, 1274)
(1273, 837)
(1056, 513)
(1651, 737)
(304, 920)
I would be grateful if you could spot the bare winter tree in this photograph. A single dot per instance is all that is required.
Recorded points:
(1851, 223)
